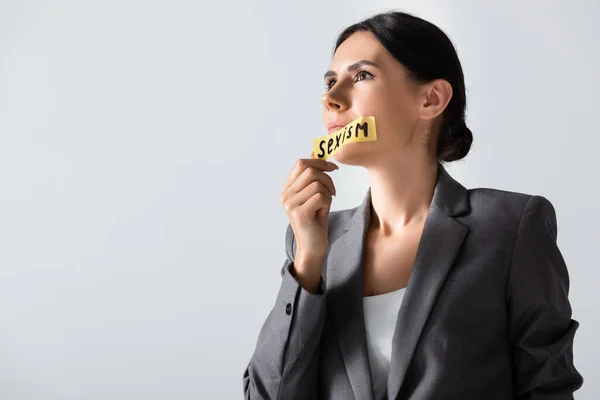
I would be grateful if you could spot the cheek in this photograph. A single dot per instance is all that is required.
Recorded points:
(389, 106)
(397, 115)
(391, 123)
(391, 109)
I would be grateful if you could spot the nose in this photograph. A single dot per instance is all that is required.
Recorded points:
(331, 102)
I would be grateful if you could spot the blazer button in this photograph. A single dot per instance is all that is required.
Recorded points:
(288, 308)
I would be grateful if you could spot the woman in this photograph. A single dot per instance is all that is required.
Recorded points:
(427, 290)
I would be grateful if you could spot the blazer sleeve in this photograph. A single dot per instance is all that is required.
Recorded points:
(541, 329)
(285, 362)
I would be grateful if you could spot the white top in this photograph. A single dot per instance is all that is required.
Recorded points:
(381, 314)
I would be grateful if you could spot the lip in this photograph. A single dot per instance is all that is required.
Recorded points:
(333, 128)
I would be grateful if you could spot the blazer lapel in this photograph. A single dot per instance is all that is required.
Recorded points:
(440, 241)
(345, 293)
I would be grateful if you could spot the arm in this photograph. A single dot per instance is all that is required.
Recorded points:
(285, 363)
(540, 326)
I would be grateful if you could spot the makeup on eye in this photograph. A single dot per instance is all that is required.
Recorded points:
(329, 82)
(354, 67)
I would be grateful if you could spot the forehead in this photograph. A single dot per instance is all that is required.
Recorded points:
(361, 45)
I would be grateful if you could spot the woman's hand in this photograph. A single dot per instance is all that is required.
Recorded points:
(306, 197)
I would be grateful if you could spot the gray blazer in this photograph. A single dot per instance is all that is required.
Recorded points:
(485, 314)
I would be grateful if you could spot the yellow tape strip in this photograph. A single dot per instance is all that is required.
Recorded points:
(360, 130)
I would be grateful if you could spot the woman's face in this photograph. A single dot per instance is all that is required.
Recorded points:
(380, 90)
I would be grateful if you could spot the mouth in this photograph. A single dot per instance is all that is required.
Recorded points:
(334, 128)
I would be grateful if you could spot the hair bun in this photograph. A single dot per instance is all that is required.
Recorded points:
(459, 143)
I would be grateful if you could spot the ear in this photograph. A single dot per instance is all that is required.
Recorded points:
(436, 96)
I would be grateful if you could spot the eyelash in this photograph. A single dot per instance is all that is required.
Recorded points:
(328, 83)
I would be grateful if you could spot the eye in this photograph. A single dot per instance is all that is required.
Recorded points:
(328, 83)
(360, 73)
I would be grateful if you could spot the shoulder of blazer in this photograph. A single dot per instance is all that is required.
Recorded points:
(505, 205)
(499, 194)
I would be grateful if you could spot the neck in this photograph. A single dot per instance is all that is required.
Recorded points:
(401, 192)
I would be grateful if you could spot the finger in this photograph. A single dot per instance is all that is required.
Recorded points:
(310, 175)
(304, 163)
(315, 204)
(307, 192)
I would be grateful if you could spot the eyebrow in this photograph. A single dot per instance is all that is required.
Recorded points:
(352, 67)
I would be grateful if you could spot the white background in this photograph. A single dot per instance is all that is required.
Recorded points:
(144, 144)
